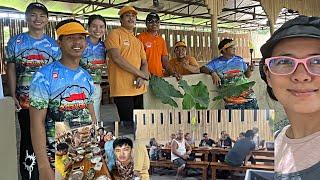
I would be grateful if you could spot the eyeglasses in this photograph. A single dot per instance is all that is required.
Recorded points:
(152, 21)
(284, 65)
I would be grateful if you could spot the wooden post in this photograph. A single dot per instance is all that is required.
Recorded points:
(214, 36)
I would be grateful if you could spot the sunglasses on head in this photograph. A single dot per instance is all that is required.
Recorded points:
(284, 65)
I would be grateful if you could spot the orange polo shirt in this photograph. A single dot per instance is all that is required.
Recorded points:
(155, 47)
(131, 49)
(176, 65)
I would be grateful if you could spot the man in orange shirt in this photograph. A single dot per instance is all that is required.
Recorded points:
(183, 64)
(155, 46)
(128, 67)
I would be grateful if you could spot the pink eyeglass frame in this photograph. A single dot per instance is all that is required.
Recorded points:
(297, 62)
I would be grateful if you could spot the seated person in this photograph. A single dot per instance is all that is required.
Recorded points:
(72, 151)
(154, 150)
(189, 140)
(62, 161)
(228, 70)
(241, 152)
(180, 151)
(256, 137)
(225, 140)
(77, 139)
(183, 64)
(206, 141)
(127, 167)
(108, 150)
(101, 137)
(241, 136)
(168, 144)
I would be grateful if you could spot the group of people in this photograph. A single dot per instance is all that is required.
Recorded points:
(58, 81)
(124, 158)
(181, 145)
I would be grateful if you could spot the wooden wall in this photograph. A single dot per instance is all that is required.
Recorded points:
(160, 124)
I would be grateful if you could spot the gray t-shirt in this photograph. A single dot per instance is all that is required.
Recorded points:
(240, 150)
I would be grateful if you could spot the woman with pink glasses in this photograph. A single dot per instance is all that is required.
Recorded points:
(291, 68)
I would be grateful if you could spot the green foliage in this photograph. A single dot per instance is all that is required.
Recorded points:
(279, 125)
(233, 90)
(164, 91)
(196, 96)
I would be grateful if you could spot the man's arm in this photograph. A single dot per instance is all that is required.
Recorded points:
(189, 148)
(122, 63)
(191, 65)
(247, 158)
(38, 137)
(12, 83)
(200, 144)
(215, 78)
(192, 68)
(144, 69)
(92, 113)
(165, 64)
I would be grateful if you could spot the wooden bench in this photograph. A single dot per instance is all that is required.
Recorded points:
(223, 166)
(190, 164)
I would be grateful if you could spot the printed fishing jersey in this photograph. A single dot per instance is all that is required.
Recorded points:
(93, 58)
(65, 93)
(29, 55)
(232, 72)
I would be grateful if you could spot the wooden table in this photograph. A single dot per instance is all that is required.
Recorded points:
(87, 165)
(203, 150)
(265, 153)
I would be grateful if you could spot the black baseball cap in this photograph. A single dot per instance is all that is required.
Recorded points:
(301, 26)
(151, 16)
(36, 5)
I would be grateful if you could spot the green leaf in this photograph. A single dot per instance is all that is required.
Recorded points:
(188, 101)
(164, 91)
(233, 90)
(195, 96)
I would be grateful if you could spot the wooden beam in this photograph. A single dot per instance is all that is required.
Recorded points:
(197, 3)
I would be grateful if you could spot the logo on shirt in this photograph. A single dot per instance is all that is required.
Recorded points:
(55, 75)
(148, 44)
(73, 98)
(76, 96)
(126, 42)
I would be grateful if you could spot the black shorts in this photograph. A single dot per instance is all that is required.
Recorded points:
(126, 105)
(179, 162)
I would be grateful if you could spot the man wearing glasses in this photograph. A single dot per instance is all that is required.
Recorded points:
(155, 47)
(228, 70)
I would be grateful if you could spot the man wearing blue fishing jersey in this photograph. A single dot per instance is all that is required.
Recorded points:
(60, 94)
(25, 54)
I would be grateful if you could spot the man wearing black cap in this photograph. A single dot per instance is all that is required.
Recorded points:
(155, 46)
(228, 70)
(25, 54)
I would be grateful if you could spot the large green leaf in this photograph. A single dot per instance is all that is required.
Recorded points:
(195, 96)
(233, 90)
(188, 101)
(164, 91)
